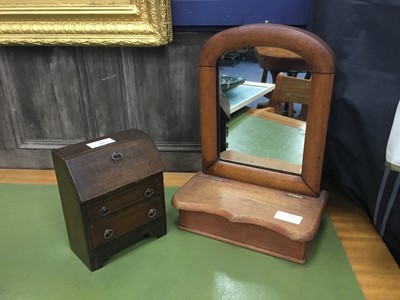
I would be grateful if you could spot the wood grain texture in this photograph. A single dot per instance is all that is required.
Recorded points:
(104, 82)
(276, 60)
(371, 261)
(54, 96)
(248, 204)
(289, 89)
(137, 157)
(374, 267)
(268, 163)
(35, 94)
(307, 45)
(7, 141)
(267, 114)
(248, 236)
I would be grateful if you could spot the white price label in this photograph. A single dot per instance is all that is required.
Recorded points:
(287, 217)
(100, 143)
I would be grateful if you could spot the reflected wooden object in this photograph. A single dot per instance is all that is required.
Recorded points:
(265, 210)
(268, 115)
(271, 163)
(276, 60)
(291, 90)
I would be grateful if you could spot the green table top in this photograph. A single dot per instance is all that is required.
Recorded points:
(265, 138)
(37, 263)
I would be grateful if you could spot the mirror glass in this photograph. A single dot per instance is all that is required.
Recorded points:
(251, 131)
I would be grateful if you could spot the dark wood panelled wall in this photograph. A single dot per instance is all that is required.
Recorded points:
(55, 96)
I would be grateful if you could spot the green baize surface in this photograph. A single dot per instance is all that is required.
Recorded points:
(36, 261)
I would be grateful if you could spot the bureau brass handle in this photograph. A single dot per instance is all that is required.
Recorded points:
(108, 233)
(148, 192)
(104, 211)
(116, 156)
(152, 213)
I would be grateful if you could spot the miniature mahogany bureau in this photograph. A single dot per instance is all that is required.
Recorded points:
(112, 194)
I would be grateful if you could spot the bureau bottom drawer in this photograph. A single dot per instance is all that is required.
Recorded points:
(132, 217)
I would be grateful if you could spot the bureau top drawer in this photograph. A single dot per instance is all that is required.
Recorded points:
(130, 157)
(134, 194)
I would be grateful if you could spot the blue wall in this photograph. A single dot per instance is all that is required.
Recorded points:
(238, 12)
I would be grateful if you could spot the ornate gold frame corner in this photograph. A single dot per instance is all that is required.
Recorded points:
(85, 22)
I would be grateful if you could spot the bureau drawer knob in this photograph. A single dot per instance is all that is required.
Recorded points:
(104, 211)
(149, 192)
(116, 156)
(152, 213)
(108, 233)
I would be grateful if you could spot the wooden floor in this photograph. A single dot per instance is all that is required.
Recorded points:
(374, 267)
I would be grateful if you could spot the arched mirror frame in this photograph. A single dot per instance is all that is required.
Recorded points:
(320, 60)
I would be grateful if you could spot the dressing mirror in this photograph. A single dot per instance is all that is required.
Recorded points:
(259, 187)
(318, 57)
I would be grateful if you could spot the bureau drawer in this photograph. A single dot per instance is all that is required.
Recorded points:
(125, 220)
(135, 194)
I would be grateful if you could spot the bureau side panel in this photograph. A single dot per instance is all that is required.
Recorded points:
(77, 233)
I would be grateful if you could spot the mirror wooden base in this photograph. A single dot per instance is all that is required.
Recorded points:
(250, 216)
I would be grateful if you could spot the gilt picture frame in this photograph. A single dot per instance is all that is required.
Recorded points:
(86, 22)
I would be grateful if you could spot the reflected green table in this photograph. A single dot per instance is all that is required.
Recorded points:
(263, 138)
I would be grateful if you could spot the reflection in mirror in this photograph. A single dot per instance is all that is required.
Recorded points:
(263, 118)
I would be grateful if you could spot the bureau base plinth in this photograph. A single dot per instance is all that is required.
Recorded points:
(104, 253)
